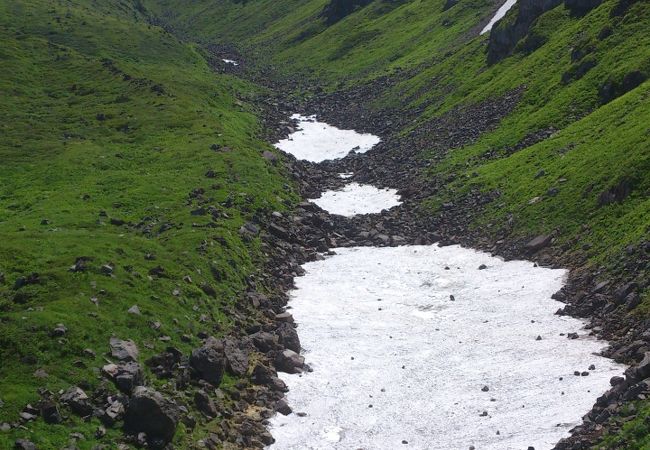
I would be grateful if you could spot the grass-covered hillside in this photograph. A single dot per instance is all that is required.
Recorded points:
(127, 165)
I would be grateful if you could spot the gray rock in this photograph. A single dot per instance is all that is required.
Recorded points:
(59, 330)
(288, 337)
(289, 361)
(78, 401)
(249, 228)
(114, 412)
(129, 376)
(539, 243)
(24, 444)
(283, 407)
(264, 341)
(134, 310)
(126, 376)
(284, 317)
(270, 156)
(209, 361)
(643, 369)
(622, 292)
(615, 381)
(124, 350)
(151, 413)
(50, 412)
(205, 404)
(236, 358)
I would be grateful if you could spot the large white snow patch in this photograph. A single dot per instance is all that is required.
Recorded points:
(357, 198)
(396, 359)
(317, 141)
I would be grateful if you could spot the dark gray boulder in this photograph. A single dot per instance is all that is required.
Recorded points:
(288, 336)
(78, 401)
(151, 413)
(209, 361)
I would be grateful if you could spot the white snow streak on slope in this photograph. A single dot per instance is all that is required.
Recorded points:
(499, 15)
(357, 198)
(230, 61)
(379, 328)
(317, 141)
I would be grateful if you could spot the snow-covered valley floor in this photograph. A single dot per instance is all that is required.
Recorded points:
(418, 347)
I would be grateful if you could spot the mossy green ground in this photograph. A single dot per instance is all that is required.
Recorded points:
(104, 116)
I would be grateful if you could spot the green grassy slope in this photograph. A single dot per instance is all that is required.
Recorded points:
(106, 117)
(446, 68)
(373, 41)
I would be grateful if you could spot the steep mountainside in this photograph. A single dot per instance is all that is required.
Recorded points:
(128, 168)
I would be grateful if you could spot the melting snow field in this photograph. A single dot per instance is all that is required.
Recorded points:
(499, 15)
(396, 359)
(357, 198)
(317, 141)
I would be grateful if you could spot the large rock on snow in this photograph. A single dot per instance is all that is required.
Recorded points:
(289, 361)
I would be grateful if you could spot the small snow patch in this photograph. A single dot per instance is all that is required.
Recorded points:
(230, 61)
(499, 15)
(357, 198)
(317, 141)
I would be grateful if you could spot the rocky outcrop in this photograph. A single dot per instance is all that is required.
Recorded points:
(516, 25)
(616, 87)
(336, 10)
(581, 7)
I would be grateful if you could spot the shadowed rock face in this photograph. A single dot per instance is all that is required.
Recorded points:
(338, 9)
(508, 31)
(581, 7)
